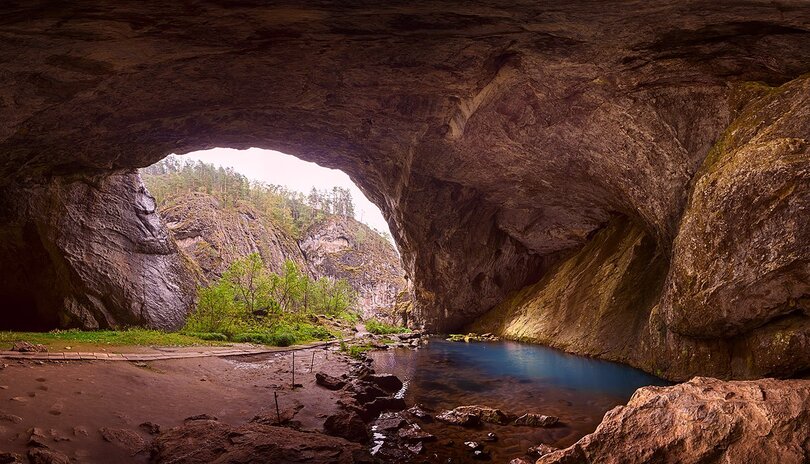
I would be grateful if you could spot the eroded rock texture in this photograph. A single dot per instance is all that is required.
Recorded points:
(506, 142)
(701, 421)
(88, 253)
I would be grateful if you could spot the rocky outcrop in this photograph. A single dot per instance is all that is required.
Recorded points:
(700, 422)
(501, 139)
(734, 302)
(343, 248)
(213, 235)
(89, 253)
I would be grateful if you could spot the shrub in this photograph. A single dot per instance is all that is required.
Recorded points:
(381, 328)
(211, 336)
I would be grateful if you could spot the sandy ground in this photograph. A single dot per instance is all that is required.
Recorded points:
(72, 403)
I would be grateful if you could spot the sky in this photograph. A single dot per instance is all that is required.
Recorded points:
(274, 167)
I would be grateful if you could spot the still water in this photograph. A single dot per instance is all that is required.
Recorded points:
(516, 378)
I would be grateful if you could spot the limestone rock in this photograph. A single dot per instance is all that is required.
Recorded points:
(344, 248)
(329, 382)
(701, 421)
(536, 420)
(388, 382)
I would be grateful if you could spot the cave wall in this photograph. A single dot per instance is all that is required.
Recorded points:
(499, 138)
(89, 253)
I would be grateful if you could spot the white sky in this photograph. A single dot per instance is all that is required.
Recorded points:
(274, 167)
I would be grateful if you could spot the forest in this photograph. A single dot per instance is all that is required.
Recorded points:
(292, 211)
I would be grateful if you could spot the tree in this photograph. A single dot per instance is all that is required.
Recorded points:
(250, 282)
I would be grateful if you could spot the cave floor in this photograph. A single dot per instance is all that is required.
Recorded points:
(93, 411)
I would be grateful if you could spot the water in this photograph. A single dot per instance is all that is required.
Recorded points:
(516, 378)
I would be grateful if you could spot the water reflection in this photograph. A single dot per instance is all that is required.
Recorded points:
(516, 378)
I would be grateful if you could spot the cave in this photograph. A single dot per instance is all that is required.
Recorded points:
(630, 183)
(496, 147)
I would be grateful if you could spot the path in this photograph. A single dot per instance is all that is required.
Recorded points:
(163, 353)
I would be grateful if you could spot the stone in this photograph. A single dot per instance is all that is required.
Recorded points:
(541, 450)
(389, 421)
(46, 456)
(706, 421)
(348, 425)
(536, 420)
(379, 405)
(37, 438)
(150, 427)
(388, 382)
(10, 458)
(26, 347)
(519, 461)
(420, 414)
(491, 436)
(213, 441)
(415, 433)
(464, 419)
(459, 415)
(10, 418)
(329, 382)
(364, 392)
(126, 439)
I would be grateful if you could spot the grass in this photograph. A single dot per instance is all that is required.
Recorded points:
(130, 337)
(381, 328)
(355, 351)
(282, 334)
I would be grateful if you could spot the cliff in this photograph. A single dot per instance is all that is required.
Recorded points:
(212, 235)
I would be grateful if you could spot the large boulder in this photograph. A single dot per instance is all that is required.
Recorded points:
(702, 421)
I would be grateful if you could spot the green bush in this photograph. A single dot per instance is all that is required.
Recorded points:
(381, 328)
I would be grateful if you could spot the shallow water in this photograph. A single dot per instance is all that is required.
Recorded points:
(516, 378)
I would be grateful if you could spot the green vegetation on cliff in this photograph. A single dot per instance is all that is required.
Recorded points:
(292, 211)
(250, 303)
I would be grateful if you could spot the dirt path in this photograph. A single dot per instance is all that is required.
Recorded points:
(92, 411)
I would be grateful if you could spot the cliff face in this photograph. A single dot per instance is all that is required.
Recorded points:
(731, 297)
(506, 143)
(212, 235)
(343, 248)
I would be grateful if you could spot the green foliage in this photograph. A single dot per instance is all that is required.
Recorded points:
(381, 328)
(212, 336)
(251, 304)
(292, 211)
(357, 351)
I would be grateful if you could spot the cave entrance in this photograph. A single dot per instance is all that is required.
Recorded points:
(222, 205)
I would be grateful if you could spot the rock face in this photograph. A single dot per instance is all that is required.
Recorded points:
(705, 421)
(89, 253)
(344, 248)
(212, 236)
(734, 301)
(506, 142)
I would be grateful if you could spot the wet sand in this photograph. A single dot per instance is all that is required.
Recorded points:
(72, 402)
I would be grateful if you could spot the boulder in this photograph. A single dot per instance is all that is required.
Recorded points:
(348, 425)
(453, 417)
(46, 456)
(482, 413)
(126, 439)
(364, 392)
(388, 382)
(703, 421)
(536, 420)
(378, 405)
(329, 382)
